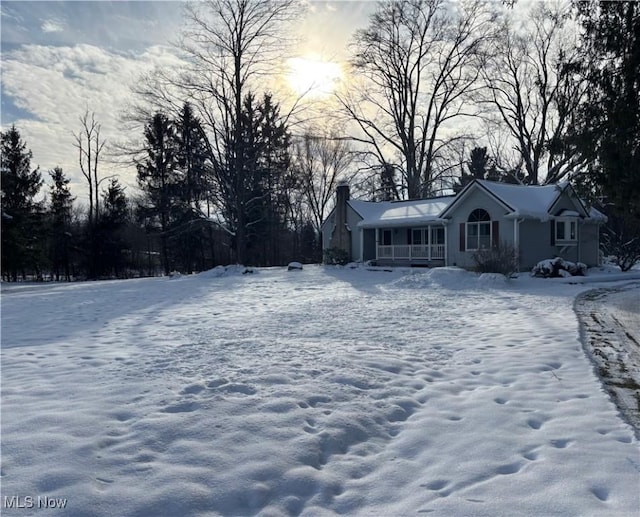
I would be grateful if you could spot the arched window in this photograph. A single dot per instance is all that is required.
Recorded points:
(479, 215)
(478, 230)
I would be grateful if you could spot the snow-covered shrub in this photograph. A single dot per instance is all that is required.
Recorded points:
(336, 256)
(294, 266)
(501, 259)
(558, 267)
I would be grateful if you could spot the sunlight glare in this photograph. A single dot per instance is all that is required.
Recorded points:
(313, 76)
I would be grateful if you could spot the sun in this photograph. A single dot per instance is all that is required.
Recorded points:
(311, 76)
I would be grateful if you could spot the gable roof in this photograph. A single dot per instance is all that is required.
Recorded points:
(521, 201)
(399, 213)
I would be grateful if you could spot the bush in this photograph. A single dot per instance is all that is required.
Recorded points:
(621, 241)
(501, 259)
(336, 256)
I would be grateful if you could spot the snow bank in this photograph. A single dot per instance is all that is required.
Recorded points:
(449, 278)
(222, 271)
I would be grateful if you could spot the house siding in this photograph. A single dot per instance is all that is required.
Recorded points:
(589, 244)
(353, 218)
(535, 243)
(369, 241)
(327, 229)
(475, 199)
(564, 202)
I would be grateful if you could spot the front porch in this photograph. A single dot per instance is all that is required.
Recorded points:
(402, 246)
(411, 252)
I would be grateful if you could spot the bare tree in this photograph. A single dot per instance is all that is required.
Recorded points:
(534, 89)
(231, 44)
(320, 162)
(90, 146)
(418, 60)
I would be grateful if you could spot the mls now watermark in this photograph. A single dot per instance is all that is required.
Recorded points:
(41, 502)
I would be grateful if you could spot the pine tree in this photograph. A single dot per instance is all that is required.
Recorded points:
(60, 207)
(268, 179)
(20, 212)
(191, 233)
(610, 132)
(159, 180)
(111, 223)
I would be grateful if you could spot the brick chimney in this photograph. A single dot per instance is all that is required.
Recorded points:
(341, 236)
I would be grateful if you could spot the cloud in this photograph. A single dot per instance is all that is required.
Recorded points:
(57, 84)
(52, 26)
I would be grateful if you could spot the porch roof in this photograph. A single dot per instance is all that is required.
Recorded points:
(389, 214)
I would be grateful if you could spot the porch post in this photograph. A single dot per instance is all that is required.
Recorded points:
(446, 244)
(429, 242)
(516, 240)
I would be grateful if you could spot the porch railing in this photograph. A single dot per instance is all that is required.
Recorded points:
(408, 252)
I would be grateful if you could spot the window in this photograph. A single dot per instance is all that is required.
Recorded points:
(417, 237)
(478, 230)
(437, 235)
(386, 237)
(566, 230)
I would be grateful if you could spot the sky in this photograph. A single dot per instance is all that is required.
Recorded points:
(59, 59)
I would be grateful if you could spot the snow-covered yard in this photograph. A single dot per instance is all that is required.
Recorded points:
(317, 392)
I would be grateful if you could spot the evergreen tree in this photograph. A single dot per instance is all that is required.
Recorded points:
(388, 185)
(159, 179)
(21, 214)
(477, 168)
(268, 179)
(60, 237)
(111, 223)
(610, 131)
(191, 232)
(609, 134)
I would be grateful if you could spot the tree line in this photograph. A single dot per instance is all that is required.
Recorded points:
(225, 174)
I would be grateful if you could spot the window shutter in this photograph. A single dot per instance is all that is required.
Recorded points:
(495, 233)
(462, 237)
(553, 232)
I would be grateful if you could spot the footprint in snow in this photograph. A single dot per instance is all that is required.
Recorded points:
(182, 407)
(561, 444)
(600, 492)
(438, 484)
(243, 389)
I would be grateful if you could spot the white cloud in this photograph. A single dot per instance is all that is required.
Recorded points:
(52, 26)
(57, 84)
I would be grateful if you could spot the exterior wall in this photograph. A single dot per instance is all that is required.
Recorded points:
(589, 235)
(369, 241)
(460, 214)
(328, 231)
(341, 235)
(535, 243)
(565, 202)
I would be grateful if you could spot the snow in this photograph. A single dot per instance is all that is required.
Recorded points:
(532, 201)
(332, 391)
(386, 214)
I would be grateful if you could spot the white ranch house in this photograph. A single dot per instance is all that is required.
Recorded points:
(540, 222)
